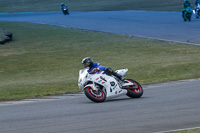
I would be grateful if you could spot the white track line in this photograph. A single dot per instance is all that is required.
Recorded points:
(176, 130)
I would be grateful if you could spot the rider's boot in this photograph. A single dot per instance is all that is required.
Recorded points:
(109, 71)
(120, 77)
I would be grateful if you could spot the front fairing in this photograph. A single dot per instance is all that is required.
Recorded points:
(83, 75)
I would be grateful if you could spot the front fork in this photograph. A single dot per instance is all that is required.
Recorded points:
(96, 89)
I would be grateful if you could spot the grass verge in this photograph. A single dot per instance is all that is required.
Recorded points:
(91, 5)
(45, 60)
(187, 131)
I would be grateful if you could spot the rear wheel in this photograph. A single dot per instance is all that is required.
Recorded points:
(134, 91)
(94, 95)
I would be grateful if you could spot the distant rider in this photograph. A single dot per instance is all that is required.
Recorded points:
(63, 6)
(196, 3)
(95, 67)
(185, 5)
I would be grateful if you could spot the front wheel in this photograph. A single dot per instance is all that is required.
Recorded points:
(189, 17)
(94, 95)
(134, 91)
(197, 14)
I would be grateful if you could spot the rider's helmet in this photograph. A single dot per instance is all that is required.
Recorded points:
(62, 4)
(87, 62)
(186, 0)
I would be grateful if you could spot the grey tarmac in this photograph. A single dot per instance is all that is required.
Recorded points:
(165, 106)
(167, 26)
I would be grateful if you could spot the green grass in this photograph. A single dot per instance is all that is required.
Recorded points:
(187, 131)
(45, 60)
(90, 5)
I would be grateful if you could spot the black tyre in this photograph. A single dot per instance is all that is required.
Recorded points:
(184, 18)
(95, 96)
(64, 12)
(189, 17)
(135, 91)
(198, 14)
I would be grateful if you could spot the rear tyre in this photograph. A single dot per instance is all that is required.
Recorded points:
(95, 96)
(135, 91)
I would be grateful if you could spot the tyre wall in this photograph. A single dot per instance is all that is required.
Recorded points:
(5, 36)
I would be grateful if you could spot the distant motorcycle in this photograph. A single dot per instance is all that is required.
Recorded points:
(97, 87)
(187, 14)
(65, 10)
(197, 11)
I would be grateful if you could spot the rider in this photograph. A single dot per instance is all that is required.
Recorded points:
(63, 6)
(196, 3)
(95, 67)
(185, 5)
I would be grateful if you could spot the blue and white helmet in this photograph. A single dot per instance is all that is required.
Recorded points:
(87, 62)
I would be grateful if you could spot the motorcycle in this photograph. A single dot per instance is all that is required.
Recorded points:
(187, 14)
(98, 86)
(197, 11)
(65, 10)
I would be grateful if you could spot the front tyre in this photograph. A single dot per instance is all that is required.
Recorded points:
(189, 17)
(135, 91)
(95, 96)
(197, 14)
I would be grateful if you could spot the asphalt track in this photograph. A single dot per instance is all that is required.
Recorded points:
(165, 106)
(167, 26)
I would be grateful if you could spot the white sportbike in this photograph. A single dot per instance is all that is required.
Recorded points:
(197, 11)
(99, 86)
